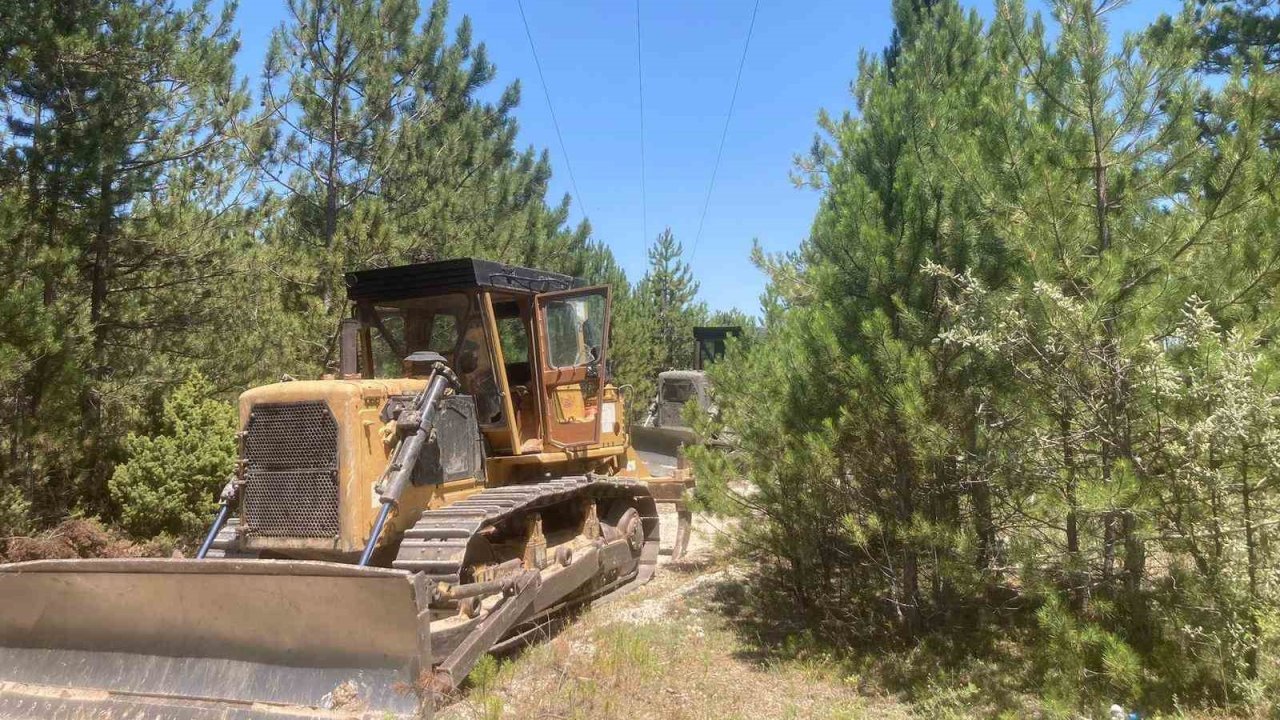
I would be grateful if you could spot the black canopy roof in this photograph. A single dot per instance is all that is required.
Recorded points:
(445, 276)
(716, 332)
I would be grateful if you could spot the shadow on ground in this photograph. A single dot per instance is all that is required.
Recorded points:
(979, 670)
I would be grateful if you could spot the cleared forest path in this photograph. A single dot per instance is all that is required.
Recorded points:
(679, 647)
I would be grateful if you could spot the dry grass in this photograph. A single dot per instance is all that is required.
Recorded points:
(704, 642)
(80, 538)
(663, 651)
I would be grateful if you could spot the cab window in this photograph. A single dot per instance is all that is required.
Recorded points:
(450, 325)
(677, 391)
(388, 345)
(443, 334)
(575, 328)
(515, 341)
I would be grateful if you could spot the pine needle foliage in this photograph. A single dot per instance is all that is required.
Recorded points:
(171, 481)
(373, 149)
(121, 234)
(1021, 372)
(667, 293)
(157, 226)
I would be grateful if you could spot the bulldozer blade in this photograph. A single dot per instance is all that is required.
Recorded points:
(662, 451)
(143, 638)
(660, 447)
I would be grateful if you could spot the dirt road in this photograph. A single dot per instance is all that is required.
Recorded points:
(671, 650)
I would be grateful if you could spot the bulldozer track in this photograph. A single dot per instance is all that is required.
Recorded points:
(438, 542)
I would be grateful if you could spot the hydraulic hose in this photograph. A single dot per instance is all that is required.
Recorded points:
(218, 521)
(228, 497)
(400, 471)
(383, 514)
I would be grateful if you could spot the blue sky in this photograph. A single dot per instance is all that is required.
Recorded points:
(803, 56)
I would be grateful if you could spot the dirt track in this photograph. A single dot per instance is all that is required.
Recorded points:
(671, 649)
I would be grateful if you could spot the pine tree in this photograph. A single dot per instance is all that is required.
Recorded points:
(459, 178)
(1239, 30)
(1130, 214)
(337, 76)
(633, 354)
(123, 112)
(667, 292)
(1129, 259)
(170, 482)
(381, 154)
(902, 188)
(982, 358)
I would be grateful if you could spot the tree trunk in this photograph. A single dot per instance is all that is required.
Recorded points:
(1109, 534)
(984, 528)
(1135, 555)
(1251, 552)
(99, 287)
(332, 178)
(1077, 577)
(905, 486)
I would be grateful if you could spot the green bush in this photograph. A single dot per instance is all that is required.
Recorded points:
(171, 480)
(998, 393)
(14, 511)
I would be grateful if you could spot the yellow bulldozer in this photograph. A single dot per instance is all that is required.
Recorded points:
(465, 479)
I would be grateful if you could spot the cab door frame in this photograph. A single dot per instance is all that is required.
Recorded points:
(500, 370)
(571, 434)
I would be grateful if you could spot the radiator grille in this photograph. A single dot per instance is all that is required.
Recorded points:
(291, 470)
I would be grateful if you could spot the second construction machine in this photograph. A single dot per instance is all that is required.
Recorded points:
(464, 479)
(664, 432)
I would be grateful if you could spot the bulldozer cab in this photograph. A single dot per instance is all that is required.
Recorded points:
(711, 343)
(527, 345)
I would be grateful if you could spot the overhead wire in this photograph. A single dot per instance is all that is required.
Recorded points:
(546, 91)
(644, 191)
(733, 99)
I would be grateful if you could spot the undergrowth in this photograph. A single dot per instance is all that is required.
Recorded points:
(1034, 661)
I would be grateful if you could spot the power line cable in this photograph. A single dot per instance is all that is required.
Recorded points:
(644, 191)
(725, 132)
(546, 91)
